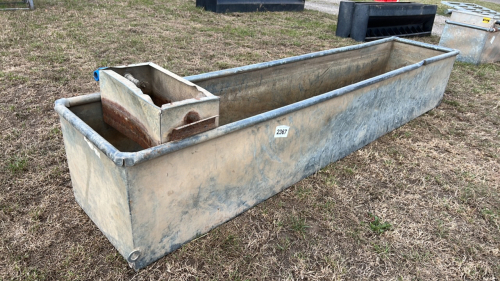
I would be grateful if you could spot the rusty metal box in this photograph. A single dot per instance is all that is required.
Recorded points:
(152, 105)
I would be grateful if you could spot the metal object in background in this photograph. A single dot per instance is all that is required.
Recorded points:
(152, 105)
(473, 8)
(29, 3)
(230, 6)
(475, 35)
(363, 21)
(280, 122)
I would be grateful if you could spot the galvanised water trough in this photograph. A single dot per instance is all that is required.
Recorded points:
(280, 122)
(477, 36)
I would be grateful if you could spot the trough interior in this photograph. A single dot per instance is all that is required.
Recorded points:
(250, 93)
(253, 92)
(91, 114)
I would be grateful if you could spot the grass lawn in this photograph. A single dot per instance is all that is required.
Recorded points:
(420, 203)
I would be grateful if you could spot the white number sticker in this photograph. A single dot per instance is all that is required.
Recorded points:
(281, 131)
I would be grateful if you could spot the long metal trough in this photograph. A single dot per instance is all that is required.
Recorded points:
(280, 121)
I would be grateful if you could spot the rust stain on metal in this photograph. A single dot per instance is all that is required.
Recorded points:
(191, 117)
(157, 99)
(193, 128)
(117, 117)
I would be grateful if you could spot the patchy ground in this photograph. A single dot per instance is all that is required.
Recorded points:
(420, 203)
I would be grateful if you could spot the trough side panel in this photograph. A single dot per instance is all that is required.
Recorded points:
(491, 50)
(472, 18)
(250, 93)
(172, 87)
(174, 116)
(125, 110)
(100, 188)
(470, 42)
(183, 194)
(404, 54)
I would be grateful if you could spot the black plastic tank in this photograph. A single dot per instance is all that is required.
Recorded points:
(230, 6)
(364, 21)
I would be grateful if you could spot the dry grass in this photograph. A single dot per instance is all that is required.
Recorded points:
(435, 181)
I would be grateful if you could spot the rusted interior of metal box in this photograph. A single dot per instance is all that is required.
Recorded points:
(152, 105)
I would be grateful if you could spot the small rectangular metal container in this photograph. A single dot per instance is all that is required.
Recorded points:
(475, 35)
(152, 105)
(280, 121)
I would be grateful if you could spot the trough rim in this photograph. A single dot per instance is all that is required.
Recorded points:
(129, 159)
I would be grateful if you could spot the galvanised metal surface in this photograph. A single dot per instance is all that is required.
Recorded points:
(473, 8)
(473, 19)
(364, 21)
(230, 6)
(477, 43)
(281, 121)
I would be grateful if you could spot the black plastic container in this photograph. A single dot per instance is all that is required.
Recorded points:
(229, 6)
(364, 21)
